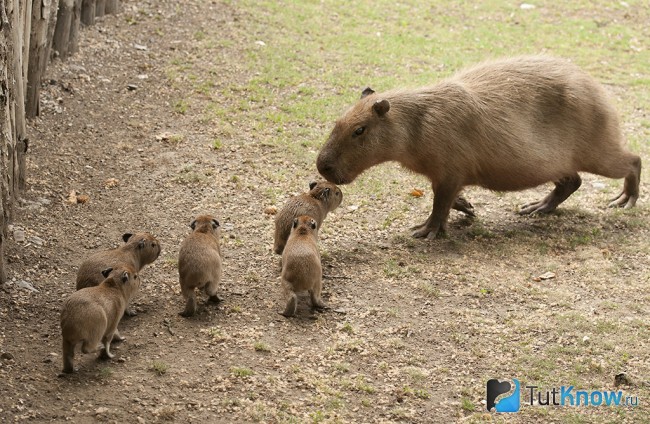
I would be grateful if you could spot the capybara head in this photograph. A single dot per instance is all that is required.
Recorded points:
(329, 194)
(304, 225)
(357, 141)
(124, 278)
(145, 245)
(205, 224)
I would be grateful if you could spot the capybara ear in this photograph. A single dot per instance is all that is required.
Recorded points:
(295, 222)
(125, 277)
(107, 272)
(193, 224)
(215, 224)
(367, 91)
(126, 236)
(313, 224)
(381, 107)
(312, 185)
(141, 244)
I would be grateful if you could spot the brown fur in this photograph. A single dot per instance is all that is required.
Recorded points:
(139, 249)
(301, 267)
(505, 125)
(91, 315)
(199, 262)
(323, 197)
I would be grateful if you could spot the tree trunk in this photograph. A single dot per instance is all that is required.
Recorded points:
(100, 7)
(6, 133)
(112, 6)
(73, 44)
(38, 55)
(88, 12)
(60, 42)
(18, 88)
(27, 26)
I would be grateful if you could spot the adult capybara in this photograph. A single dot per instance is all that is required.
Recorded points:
(322, 197)
(505, 125)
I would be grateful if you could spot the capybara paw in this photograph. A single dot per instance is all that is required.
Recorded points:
(286, 314)
(418, 227)
(461, 204)
(215, 299)
(536, 207)
(118, 338)
(322, 306)
(186, 314)
(623, 201)
(130, 312)
(425, 232)
(106, 355)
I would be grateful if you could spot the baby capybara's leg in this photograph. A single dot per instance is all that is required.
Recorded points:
(563, 189)
(68, 357)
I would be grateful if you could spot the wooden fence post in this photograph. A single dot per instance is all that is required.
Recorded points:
(88, 12)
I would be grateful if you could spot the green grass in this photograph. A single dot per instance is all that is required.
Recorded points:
(159, 367)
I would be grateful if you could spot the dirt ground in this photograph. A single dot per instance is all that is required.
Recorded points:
(417, 327)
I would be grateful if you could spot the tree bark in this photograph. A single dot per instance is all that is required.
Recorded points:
(18, 88)
(112, 6)
(100, 7)
(38, 55)
(73, 44)
(60, 42)
(88, 12)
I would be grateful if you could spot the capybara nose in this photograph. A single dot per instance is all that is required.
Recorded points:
(324, 167)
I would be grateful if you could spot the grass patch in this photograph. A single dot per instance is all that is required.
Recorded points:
(159, 367)
(241, 372)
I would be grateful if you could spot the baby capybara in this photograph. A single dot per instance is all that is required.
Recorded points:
(505, 125)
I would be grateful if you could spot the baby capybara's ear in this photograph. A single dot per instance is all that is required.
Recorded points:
(193, 224)
(312, 185)
(295, 222)
(126, 236)
(367, 91)
(107, 272)
(215, 224)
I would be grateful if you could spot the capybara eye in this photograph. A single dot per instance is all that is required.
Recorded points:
(359, 131)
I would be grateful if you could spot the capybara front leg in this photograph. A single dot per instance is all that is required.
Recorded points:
(563, 189)
(106, 351)
(443, 199)
(628, 197)
(316, 299)
(460, 204)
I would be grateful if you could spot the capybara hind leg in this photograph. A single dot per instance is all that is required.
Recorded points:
(68, 357)
(630, 193)
(563, 189)
(443, 199)
(190, 305)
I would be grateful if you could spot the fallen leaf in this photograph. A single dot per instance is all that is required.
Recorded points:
(82, 198)
(72, 197)
(547, 275)
(270, 210)
(417, 193)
